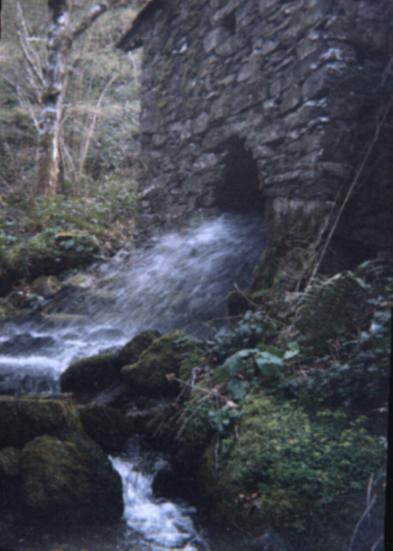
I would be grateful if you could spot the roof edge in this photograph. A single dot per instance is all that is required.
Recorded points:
(133, 38)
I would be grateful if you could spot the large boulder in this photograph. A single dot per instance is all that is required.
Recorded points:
(160, 367)
(22, 419)
(68, 482)
(88, 376)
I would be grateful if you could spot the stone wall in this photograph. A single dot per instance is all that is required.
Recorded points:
(291, 89)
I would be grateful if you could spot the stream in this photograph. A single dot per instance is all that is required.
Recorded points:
(178, 280)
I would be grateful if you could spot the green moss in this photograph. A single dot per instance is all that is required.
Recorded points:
(285, 468)
(92, 374)
(134, 348)
(52, 252)
(193, 434)
(95, 373)
(22, 419)
(66, 482)
(167, 358)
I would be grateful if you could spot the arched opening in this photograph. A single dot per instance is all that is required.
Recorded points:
(238, 190)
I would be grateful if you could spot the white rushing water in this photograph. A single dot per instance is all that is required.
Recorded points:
(164, 525)
(179, 280)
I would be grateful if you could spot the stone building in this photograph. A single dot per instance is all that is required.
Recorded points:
(270, 105)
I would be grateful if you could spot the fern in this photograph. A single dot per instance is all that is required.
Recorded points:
(331, 307)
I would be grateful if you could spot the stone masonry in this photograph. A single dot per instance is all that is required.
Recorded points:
(291, 89)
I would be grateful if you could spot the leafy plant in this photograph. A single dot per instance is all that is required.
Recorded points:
(295, 465)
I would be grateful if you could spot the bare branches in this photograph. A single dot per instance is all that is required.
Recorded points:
(93, 14)
(93, 123)
(31, 57)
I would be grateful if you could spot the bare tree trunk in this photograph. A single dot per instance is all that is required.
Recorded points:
(48, 83)
(48, 151)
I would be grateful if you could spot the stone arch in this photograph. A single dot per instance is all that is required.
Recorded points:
(238, 189)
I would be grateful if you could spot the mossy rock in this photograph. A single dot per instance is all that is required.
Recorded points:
(22, 419)
(9, 475)
(92, 374)
(107, 426)
(286, 469)
(134, 348)
(45, 286)
(167, 359)
(48, 253)
(68, 482)
(9, 463)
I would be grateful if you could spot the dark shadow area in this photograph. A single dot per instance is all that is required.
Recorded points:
(239, 189)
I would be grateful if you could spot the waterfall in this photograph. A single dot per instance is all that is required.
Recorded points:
(178, 280)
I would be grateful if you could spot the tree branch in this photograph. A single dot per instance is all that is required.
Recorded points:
(94, 13)
(29, 54)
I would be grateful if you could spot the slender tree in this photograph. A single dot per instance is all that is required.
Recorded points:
(49, 80)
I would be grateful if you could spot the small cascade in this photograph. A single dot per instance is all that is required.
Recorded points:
(163, 525)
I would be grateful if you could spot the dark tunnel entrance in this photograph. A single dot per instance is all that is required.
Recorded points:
(239, 189)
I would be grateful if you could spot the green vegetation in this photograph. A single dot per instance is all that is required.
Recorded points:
(158, 368)
(287, 420)
(45, 236)
(284, 467)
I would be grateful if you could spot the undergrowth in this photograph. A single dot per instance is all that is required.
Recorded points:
(287, 417)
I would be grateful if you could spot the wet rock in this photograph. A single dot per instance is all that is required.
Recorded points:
(159, 367)
(48, 254)
(149, 419)
(22, 419)
(79, 281)
(88, 376)
(236, 304)
(107, 426)
(9, 463)
(45, 286)
(134, 348)
(15, 381)
(24, 344)
(68, 482)
(91, 375)
(9, 485)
